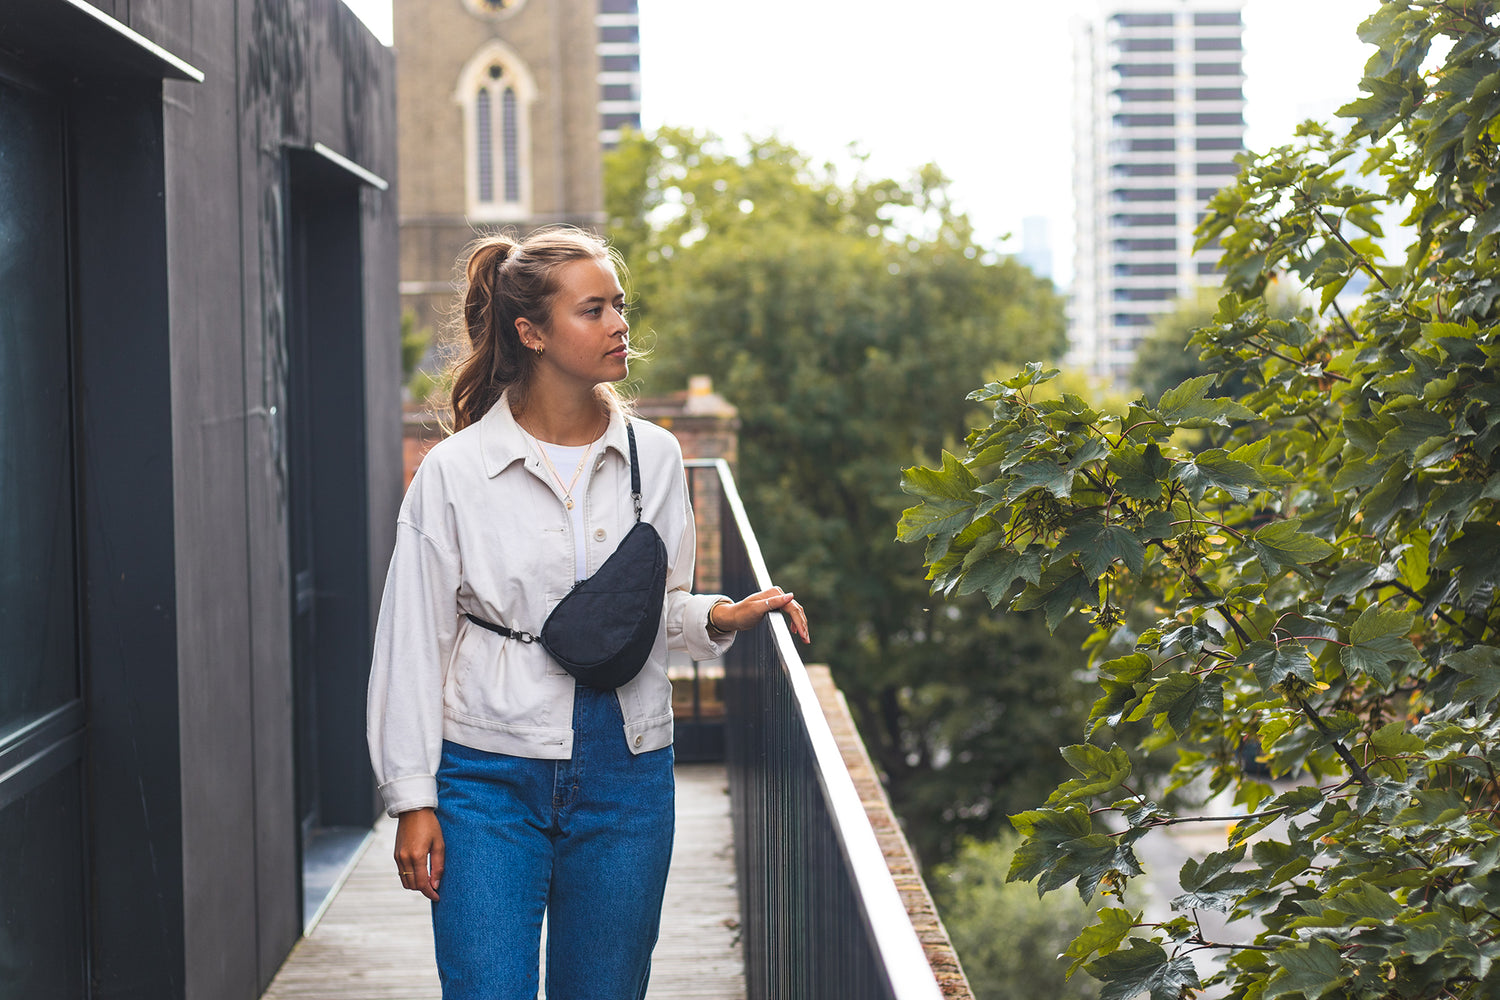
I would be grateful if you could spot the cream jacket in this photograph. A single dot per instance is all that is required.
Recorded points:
(484, 530)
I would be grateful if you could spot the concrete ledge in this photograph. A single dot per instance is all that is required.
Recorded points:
(898, 854)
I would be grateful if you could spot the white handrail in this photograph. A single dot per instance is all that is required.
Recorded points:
(896, 943)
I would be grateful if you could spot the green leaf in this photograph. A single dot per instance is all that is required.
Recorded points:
(1392, 740)
(1378, 643)
(1158, 524)
(1186, 405)
(1283, 861)
(1197, 874)
(1215, 468)
(1426, 933)
(1412, 566)
(1091, 861)
(1144, 968)
(1032, 374)
(1103, 771)
(1355, 473)
(1213, 884)
(1481, 667)
(1413, 428)
(997, 572)
(1103, 937)
(1295, 801)
(1396, 494)
(1175, 697)
(1139, 470)
(1041, 473)
(1350, 579)
(1281, 546)
(947, 500)
(1129, 668)
(1487, 224)
(1364, 902)
(1476, 556)
(1275, 662)
(1062, 586)
(1045, 830)
(1099, 544)
(1111, 707)
(1311, 970)
(1376, 658)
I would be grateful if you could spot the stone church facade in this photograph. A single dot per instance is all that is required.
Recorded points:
(504, 110)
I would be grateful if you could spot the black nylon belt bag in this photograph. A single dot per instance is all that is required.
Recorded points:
(603, 630)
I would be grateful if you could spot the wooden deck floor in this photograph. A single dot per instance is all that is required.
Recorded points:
(374, 941)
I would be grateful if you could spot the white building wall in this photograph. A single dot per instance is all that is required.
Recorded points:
(1158, 119)
(619, 46)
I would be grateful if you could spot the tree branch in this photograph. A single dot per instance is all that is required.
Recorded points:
(1355, 768)
(1334, 231)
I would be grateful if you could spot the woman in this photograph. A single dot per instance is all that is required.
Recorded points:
(519, 791)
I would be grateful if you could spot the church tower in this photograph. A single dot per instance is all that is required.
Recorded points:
(504, 109)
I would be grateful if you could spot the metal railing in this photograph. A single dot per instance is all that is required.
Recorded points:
(821, 916)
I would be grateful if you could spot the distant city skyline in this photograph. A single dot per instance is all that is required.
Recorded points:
(982, 89)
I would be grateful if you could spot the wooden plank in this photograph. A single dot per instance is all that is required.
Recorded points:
(374, 941)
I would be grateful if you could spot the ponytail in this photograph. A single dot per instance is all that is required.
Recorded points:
(506, 280)
(495, 360)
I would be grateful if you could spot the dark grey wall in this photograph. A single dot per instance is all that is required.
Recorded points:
(125, 492)
(280, 74)
(181, 191)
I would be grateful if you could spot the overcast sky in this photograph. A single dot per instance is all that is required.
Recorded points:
(982, 88)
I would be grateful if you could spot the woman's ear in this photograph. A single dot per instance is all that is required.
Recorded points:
(527, 331)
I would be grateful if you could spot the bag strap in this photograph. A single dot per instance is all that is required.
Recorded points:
(509, 633)
(635, 471)
(635, 496)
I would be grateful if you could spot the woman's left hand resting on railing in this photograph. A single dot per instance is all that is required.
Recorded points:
(736, 616)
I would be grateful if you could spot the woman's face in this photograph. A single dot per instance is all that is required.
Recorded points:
(587, 336)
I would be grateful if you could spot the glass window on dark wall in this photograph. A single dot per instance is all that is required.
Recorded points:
(42, 922)
(37, 595)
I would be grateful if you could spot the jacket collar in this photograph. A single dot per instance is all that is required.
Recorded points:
(503, 442)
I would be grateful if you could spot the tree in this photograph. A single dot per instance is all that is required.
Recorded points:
(1166, 358)
(1326, 579)
(416, 341)
(976, 899)
(845, 319)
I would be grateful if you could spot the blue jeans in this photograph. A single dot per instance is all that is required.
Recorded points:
(586, 840)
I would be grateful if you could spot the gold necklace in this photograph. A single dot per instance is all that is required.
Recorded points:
(588, 450)
(567, 489)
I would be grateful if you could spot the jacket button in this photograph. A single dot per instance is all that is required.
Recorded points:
(599, 535)
(637, 741)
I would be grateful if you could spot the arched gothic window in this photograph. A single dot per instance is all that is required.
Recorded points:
(496, 93)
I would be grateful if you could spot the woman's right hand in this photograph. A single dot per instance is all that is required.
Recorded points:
(419, 851)
(736, 616)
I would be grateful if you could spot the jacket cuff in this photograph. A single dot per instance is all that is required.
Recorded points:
(704, 643)
(417, 791)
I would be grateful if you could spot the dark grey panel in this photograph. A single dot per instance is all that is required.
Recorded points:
(182, 481)
(126, 500)
(42, 916)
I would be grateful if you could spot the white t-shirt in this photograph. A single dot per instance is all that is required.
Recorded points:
(565, 457)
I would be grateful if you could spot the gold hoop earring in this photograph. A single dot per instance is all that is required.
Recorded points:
(539, 348)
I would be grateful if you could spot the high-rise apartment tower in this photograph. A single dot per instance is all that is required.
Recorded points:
(1159, 117)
